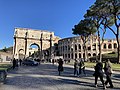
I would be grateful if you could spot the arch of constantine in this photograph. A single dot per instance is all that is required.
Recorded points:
(24, 38)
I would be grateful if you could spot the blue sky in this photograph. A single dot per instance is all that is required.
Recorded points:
(58, 16)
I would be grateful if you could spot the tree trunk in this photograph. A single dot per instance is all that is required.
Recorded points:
(118, 56)
(100, 57)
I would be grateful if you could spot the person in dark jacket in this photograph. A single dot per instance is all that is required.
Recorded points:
(60, 65)
(81, 66)
(76, 68)
(108, 72)
(99, 73)
(14, 63)
(20, 61)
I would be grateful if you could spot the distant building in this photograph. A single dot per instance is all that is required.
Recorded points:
(5, 57)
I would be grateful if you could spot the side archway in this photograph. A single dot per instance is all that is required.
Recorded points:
(21, 54)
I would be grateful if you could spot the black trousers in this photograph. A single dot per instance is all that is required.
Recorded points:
(82, 69)
(101, 79)
(75, 71)
(108, 77)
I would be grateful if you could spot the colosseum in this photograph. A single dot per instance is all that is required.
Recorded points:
(72, 48)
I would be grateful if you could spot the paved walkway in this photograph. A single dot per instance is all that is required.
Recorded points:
(45, 77)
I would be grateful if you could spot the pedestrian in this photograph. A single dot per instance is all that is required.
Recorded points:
(79, 66)
(53, 61)
(108, 72)
(20, 62)
(76, 68)
(82, 65)
(99, 73)
(14, 63)
(60, 65)
(17, 63)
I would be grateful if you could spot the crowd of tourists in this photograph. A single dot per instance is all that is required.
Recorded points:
(79, 66)
(99, 71)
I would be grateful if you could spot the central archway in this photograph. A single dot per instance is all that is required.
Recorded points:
(34, 51)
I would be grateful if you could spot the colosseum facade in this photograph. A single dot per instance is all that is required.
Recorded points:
(72, 48)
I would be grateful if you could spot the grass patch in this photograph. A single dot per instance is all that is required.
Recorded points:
(110, 55)
(5, 66)
(115, 67)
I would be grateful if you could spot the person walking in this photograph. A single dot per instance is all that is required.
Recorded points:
(14, 63)
(17, 63)
(82, 66)
(53, 61)
(79, 66)
(20, 62)
(108, 72)
(76, 68)
(60, 66)
(99, 73)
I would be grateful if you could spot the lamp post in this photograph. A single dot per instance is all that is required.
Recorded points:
(50, 45)
(26, 43)
(41, 45)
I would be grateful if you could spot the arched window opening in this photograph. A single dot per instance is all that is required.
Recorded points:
(83, 55)
(109, 46)
(79, 47)
(79, 55)
(104, 46)
(72, 55)
(75, 55)
(89, 48)
(94, 54)
(89, 54)
(75, 47)
(115, 45)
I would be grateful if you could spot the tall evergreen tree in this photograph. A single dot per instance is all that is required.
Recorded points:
(107, 13)
(84, 28)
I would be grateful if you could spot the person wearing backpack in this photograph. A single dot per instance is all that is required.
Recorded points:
(81, 66)
(108, 72)
(75, 68)
(99, 73)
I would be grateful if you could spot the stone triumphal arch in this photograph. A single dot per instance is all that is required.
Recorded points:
(24, 38)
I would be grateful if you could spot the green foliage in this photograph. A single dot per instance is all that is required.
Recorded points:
(5, 66)
(106, 13)
(9, 49)
(85, 27)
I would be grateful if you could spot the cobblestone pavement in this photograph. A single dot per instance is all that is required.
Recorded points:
(45, 77)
